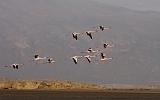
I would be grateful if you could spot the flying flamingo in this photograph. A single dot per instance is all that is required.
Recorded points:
(75, 58)
(50, 60)
(89, 33)
(102, 28)
(104, 57)
(14, 66)
(107, 45)
(90, 50)
(37, 57)
(88, 57)
(75, 35)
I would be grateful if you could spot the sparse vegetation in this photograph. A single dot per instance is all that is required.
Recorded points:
(71, 85)
(46, 84)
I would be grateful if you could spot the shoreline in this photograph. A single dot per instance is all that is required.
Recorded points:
(66, 85)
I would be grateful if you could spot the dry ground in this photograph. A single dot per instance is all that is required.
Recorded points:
(71, 85)
(47, 84)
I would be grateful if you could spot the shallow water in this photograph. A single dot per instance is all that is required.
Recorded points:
(75, 95)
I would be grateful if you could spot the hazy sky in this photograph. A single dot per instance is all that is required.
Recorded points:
(28, 27)
(143, 5)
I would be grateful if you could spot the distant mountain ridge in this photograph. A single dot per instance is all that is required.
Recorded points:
(28, 27)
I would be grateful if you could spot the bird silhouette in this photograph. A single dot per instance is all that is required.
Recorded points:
(50, 60)
(107, 45)
(75, 58)
(91, 50)
(37, 57)
(75, 35)
(89, 33)
(88, 57)
(104, 57)
(102, 28)
(14, 66)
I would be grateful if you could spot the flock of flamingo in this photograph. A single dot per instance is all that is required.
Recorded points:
(88, 54)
